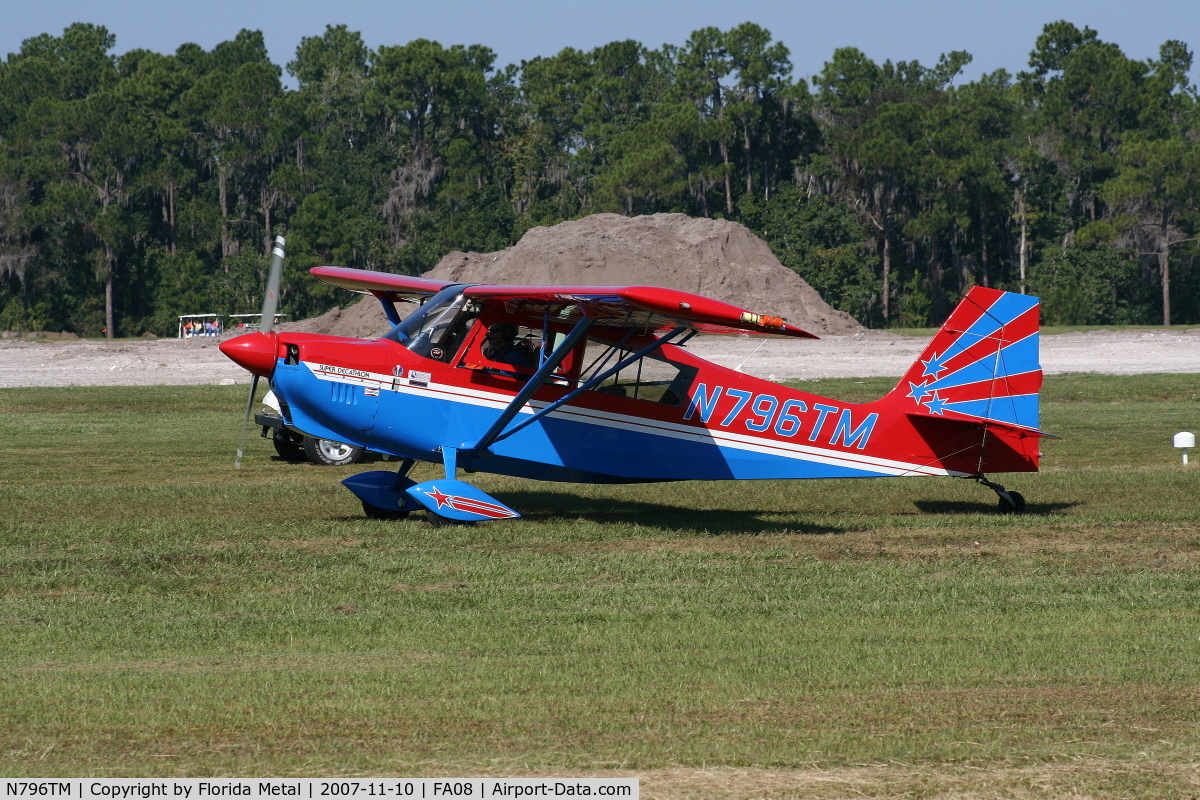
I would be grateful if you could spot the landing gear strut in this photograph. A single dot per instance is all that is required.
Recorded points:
(1010, 502)
(394, 496)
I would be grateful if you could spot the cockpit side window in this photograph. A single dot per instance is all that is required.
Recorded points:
(438, 338)
(504, 346)
(407, 328)
(653, 377)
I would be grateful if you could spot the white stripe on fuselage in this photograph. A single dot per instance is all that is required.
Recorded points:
(643, 425)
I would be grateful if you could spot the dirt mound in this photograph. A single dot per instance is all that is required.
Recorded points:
(363, 320)
(712, 257)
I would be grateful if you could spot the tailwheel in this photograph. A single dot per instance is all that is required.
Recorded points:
(1014, 504)
(1009, 502)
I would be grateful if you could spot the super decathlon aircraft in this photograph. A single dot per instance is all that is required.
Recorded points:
(594, 384)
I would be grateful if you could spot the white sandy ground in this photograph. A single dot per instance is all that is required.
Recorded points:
(173, 362)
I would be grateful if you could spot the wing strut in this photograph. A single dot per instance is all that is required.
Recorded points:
(389, 310)
(595, 380)
(497, 430)
(536, 382)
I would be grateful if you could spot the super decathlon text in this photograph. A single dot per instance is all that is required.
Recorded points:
(347, 371)
(760, 413)
(317, 788)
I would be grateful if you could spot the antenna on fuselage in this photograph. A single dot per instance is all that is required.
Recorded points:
(738, 368)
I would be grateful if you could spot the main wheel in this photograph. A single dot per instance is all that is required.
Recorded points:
(287, 444)
(375, 512)
(330, 453)
(1017, 506)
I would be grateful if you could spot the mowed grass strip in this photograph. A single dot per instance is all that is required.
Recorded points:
(164, 614)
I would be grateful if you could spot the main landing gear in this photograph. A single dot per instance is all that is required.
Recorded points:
(1010, 502)
(445, 501)
(394, 504)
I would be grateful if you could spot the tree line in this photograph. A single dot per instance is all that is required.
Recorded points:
(134, 188)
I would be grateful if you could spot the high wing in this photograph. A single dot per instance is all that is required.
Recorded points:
(648, 308)
(383, 285)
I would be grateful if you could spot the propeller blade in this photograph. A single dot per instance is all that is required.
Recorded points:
(241, 451)
(271, 300)
(265, 323)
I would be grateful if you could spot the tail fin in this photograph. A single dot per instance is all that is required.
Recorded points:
(982, 364)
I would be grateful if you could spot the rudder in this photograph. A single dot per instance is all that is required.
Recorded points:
(983, 363)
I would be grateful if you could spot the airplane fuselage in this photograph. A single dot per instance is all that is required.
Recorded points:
(596, 385)
(726, 425)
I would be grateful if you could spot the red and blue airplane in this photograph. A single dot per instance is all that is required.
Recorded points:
(595, 384)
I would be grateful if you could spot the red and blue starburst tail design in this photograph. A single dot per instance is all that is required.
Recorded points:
(982, 364)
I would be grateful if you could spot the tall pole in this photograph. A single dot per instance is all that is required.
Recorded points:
(1165, 264)
(1024, 240)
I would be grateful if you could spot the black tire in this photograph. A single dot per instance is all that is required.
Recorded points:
(438, 521)
(375, 512)
(1017, 506)
(287, 444)
(329, 453)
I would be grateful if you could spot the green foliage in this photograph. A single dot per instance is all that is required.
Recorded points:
(485, 222)
(238, 286)
(339, 53)
(156, 179)
(15, 317)
(915, 305)
(1091, 285)
(183, 288)
(821, 241)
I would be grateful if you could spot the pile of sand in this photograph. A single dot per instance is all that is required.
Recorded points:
(363, 320)
(712, 257)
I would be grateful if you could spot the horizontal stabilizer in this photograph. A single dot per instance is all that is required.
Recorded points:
(993, 426)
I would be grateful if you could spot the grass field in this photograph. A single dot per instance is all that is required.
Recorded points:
(164, 614)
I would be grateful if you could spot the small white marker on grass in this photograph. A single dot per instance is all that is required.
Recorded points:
(1184, 440)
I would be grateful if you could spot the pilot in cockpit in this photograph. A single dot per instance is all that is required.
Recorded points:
(500, 345)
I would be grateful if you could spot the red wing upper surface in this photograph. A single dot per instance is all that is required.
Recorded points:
(381, 284)
(649, 308)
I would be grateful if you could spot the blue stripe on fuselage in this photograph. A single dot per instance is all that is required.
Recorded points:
(554, 448)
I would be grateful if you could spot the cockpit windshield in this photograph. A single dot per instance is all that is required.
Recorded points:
(433, 329)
